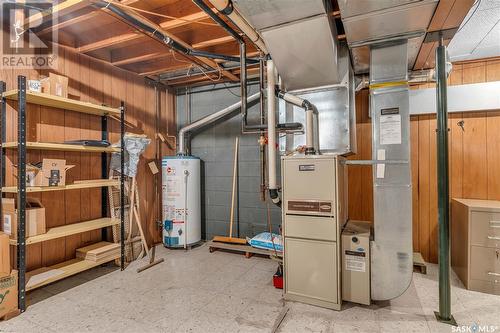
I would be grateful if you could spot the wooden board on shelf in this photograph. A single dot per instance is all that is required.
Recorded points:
(75, 186)
(63, 103)
(70, 229)
(68, 268)
(62, 147)
(98, 251)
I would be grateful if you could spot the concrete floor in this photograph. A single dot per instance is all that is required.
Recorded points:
(198, 291)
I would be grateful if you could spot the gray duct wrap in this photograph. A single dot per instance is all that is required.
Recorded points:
(134, 147)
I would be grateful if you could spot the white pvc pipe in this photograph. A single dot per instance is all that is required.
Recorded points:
(271, 125)
(300, 102)
(244, 26)
(309, 128)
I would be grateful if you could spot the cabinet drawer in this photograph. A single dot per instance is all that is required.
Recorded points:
(489, 287)
(485, 263)
(314, 227)
(485, 229)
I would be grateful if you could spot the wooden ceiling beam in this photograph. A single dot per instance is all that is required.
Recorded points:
(208, 62)
(157, 55)
(61, 9)
(78, 19)
(108, 42)
(167, 25)
(449, 14)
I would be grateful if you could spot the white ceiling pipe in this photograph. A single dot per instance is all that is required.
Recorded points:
(226, 7)
(310, 110)
(271, 132)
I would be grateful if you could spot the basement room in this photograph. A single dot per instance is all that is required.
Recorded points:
(250, 166)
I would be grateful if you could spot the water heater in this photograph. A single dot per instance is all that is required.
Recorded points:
(181, 209)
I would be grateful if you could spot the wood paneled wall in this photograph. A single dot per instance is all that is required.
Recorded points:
(97, 82)
(474, 156)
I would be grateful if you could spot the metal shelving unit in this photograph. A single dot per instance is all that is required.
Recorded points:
(73, 266)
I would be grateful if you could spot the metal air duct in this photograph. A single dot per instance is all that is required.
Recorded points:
(301, 38)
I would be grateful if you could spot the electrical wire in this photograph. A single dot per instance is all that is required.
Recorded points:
(199, 67)
(162, 15)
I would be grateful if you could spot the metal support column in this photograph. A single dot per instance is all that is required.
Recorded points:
(21, 191)
(444, 314)
(122, 186)
(104, 175)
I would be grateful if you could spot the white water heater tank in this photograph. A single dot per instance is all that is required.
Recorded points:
(181, 201)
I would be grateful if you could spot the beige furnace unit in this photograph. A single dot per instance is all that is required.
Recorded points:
(314, 211)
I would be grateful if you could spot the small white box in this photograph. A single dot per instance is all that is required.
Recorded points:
(35, 86)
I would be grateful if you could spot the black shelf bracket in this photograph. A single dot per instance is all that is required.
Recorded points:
(21, 193)
(122, 186)
(104, 175)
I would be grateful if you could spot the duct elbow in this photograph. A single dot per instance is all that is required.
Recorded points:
(308, 106)
(275, 198)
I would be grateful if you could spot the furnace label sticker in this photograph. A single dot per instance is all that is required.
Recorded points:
(355, 261)
(390, 129)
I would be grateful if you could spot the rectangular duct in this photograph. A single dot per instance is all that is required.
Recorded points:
(336, 111)
(392, 252)
(301, 38)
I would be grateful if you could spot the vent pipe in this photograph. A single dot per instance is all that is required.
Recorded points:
(310, 110)
(208, 120)
(271, 132)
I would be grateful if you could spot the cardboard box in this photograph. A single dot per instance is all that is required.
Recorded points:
(50, 172)
(35, 217)
(55, 85)
(8, 294)
(4, 255)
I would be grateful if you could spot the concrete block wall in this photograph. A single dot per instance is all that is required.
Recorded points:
(215, 146)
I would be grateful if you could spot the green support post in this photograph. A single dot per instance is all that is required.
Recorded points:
(444, 314)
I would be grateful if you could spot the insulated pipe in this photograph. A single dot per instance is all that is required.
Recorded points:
(226, 8)
(271, 133)
(310, 110)
(208, 120)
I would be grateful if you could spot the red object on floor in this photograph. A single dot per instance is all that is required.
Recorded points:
(278, 281)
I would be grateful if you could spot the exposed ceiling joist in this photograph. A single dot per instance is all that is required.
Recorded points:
(78, 19)
(157, 55)
(62, 8)
(109, 42)
(208, 62)
(167, 25)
